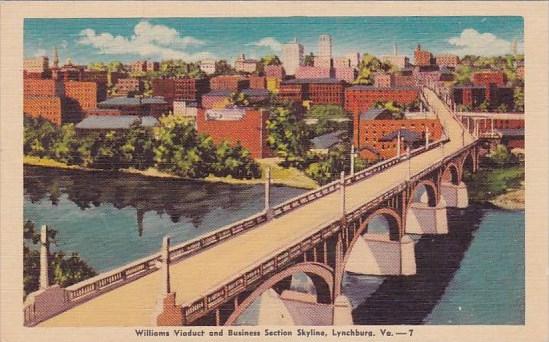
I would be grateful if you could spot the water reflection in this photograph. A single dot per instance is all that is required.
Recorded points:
(175, 198)
(409, 300)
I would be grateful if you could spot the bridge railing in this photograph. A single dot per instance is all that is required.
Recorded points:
(275, 262)
(120, 275)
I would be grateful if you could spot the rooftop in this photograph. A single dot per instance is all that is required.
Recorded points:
(313, 80)
(133, 101)
(373, 113)
(255, 92)
(327, 140)
(371, 87)
(219, 92)
(406, 134)
(115, 122)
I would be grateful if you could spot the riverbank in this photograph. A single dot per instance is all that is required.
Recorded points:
(290, 177)
(502, 187)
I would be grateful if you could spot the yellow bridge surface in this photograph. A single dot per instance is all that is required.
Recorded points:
(134, 304)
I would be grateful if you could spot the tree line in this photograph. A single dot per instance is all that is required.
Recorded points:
(174, 147)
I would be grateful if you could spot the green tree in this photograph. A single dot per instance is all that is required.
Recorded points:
(518, 97)
(327, 116)
(484, 106)
(309, 59)
(65, 148)
(368, 67)
(500, 155)
(288, 136)
(239, 99)
(62, 270)
(224, 68)
(138, 146)
(393, 107)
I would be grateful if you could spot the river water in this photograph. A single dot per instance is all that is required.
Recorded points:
(473, 275)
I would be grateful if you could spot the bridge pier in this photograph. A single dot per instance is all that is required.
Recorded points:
(376, 254)
(167, 312)
(342, 311)
(423, 219)
(455, 196)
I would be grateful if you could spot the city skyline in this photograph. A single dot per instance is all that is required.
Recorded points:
(126, 40)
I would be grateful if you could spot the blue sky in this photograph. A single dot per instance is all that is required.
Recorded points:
(128, 39)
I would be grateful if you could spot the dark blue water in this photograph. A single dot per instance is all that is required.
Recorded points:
(473, 275)
(111, 219)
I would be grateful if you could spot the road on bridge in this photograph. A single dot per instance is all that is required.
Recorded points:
(133, 304)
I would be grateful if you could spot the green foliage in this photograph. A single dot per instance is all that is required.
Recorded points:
(239, 99)
(309, 59)
(500, 156)
(288, 136)
(490, 182)
(484, 106)
(224, 68)
(327, 116)
(518, 97)
(62, 270)
(174, 147)
(463, 74)
(368, 67)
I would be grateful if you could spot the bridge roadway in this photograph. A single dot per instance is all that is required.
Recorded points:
(133, 304)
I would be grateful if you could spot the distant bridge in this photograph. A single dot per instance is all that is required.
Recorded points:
(493, 125)
(213, 279)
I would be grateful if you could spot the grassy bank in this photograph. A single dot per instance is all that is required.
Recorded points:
(502, 187)
(291, 177)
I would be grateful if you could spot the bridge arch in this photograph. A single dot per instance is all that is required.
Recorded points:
(321, 275)
(451, 174)
(426, 191)
(468, 164)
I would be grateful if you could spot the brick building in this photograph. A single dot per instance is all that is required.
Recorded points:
(95, 76)
(360, 98)
(469, 95)
(37, 68)
(318, 91)
(127, 86)
(144, 66)
(383, 80)
(81, 97)
(485, 78)
(276, 71)
(39, 87)
(376, 125)
(347, 74)
(243, 125)
(216, 99)
(258, 82)
(47, 107)
(181, 89)
(447, 60)
(313, 72)
(229, 82)
(403, 81)
(422, 57)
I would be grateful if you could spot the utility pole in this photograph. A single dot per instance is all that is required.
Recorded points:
(44, 254)
(352, 160)
(342, 192)
(268, 210)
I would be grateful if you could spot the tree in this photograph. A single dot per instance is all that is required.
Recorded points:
(393, 107)
(65, 148)
(309, 59)
(137, 149)
(62, 270)
(518, 97)
(287, 135)
(239, 99)
(326, 116)
(484, 106)
(500, 155)
(368, 67)
(502, 108)
(224, 68)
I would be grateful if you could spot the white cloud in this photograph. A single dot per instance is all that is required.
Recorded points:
(269, 42)
(472, 42)
(148, 40)
(40, 53)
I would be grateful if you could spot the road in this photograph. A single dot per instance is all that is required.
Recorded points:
(134, 304)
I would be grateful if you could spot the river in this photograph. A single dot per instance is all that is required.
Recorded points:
(473, 275)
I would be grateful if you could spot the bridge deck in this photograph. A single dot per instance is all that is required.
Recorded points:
(133, 304)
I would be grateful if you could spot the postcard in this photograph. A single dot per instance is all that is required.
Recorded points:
(274, 170)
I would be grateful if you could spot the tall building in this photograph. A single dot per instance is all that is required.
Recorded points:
(245, 64)
(325, 45)
(422, 57)
(292, 56)
(324, 57)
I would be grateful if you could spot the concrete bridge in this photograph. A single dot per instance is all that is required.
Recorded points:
(213, 279)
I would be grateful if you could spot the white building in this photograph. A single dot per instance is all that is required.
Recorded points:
(208, 66)
(36, 64)
(292, 56)
(400, 61)
(325, 46)
(181, 108)
(354, 59)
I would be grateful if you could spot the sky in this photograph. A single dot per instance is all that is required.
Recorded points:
(191, 39)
